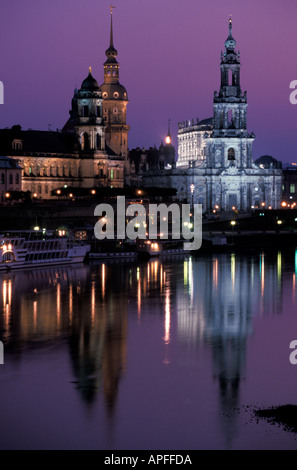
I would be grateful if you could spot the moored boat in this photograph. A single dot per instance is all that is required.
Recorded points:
(25, 249)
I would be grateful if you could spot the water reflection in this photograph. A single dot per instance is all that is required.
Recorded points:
(208, 301)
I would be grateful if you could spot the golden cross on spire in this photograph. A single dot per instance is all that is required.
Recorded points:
(90, 69)
(111, 8)
(230, 18)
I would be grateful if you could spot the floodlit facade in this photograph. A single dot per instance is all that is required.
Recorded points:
(215, 166)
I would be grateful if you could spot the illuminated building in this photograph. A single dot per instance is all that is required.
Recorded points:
(215, 155)
(10, 177)
(115, 100)
(90, 150)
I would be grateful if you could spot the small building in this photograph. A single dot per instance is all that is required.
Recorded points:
(289, 183)
(10, 176)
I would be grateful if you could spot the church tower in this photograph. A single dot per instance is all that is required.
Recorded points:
(86, 116)
(115, 100)
(230, 144)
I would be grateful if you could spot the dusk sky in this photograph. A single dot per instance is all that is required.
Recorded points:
(169, 55)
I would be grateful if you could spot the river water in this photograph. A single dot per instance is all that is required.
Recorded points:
(166, 354)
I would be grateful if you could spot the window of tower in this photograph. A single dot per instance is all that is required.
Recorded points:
(85, 142)
(98, 111)
(111, 174)
(229, 77)
(98, 142)
(86, 111)
(231, 154)
(229, 117)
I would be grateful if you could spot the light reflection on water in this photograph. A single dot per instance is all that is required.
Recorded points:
(162, 353)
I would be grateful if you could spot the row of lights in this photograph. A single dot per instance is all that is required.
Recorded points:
(71, 194)
(284, 204)
(6, 247)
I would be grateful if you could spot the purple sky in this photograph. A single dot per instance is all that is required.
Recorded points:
(169, 55)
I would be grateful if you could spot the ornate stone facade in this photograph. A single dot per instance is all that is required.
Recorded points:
(10, 177)
(215, 166)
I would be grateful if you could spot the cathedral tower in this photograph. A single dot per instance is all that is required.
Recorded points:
(230, 143)
(115, 100)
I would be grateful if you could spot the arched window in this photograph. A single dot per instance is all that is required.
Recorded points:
(17, 178)
(10, 179)
(2, 178)
(85, 141)
(231, 154)
(85, 111)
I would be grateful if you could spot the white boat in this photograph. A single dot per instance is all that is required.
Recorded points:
(26, 249)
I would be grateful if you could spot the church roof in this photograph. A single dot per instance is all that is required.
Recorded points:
(90, 84)
(206, 122)
(36, 141)
(9, 163)
(267, 161)
(111, 88)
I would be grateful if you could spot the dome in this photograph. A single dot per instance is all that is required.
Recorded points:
(111, 53)
(114, 91)
(90, 84)
(267, 161)
(230, 43)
